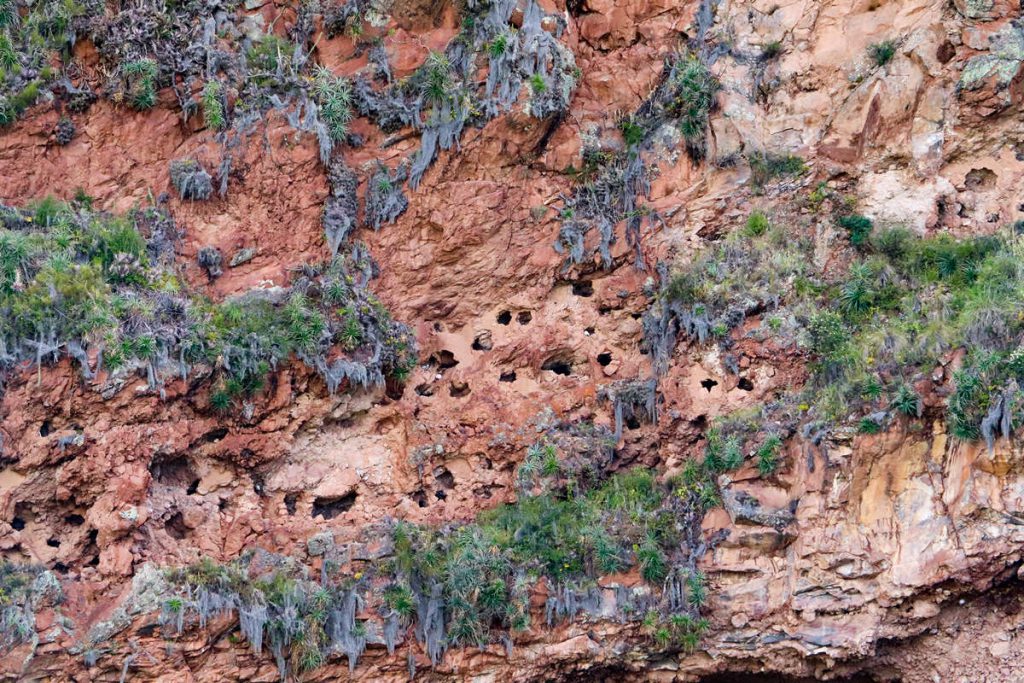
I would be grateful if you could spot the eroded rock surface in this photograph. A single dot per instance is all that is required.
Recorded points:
(892, 556)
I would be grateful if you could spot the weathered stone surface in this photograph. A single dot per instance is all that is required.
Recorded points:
(852, 558)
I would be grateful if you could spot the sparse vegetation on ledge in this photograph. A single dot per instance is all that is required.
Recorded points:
(103, 290)
(469, 585)
(876, 330)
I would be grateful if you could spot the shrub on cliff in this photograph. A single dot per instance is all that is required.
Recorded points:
(883, 52)
(23, 588)
(72, 280)
(902, 308)
(140, 82)
(469, 584)
(191, 180)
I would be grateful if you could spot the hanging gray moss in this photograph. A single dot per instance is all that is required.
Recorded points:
(385, 200)
(632, 400)
(191, 180)
(210, 260)
(684, 98)
(342, 206)
(130, 320)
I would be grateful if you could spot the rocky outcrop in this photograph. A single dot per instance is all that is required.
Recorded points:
(891, 557)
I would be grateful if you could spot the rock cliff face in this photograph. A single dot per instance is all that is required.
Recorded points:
(891, 556)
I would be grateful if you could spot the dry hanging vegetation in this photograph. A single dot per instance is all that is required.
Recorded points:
(102, 289)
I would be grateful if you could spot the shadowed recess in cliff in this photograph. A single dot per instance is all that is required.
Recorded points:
(102, 290)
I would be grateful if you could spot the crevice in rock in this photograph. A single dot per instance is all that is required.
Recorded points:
(444, 477)
(509, 376)
(604, 359)
(331, 507)
(745, 384)
(175, 526)
(214, 435)
(584, 288)
(558, 365)
(708, 384)
(482, 341)
(174, 473)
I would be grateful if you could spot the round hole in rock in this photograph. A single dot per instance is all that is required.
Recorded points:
(175, 526)
(425, 389)
(290, 499)
(458, 389)
(700, 422)
(440, 495)
(74, 519)
(524, 317)
(444, 477)
(604, 359)
(557, 365)
(745, 384)
(632, 422)
(509, 376)
(504, 318)
(980, 179)
(438, 327)
(945, 52)
(394, 389)
(583, 288)
(53, 542)
(708, 384)
(420, 497)
(446, 359)
(173, 472)
(482, 341)
(331, 507)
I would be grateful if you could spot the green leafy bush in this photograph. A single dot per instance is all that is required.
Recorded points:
(859, 227)
(883, 52)
(765, 167)
(889, 318)
(72, 279)
(482, 569)
(213, 105)
(693, 98)
(768, 455)
(757, 224)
